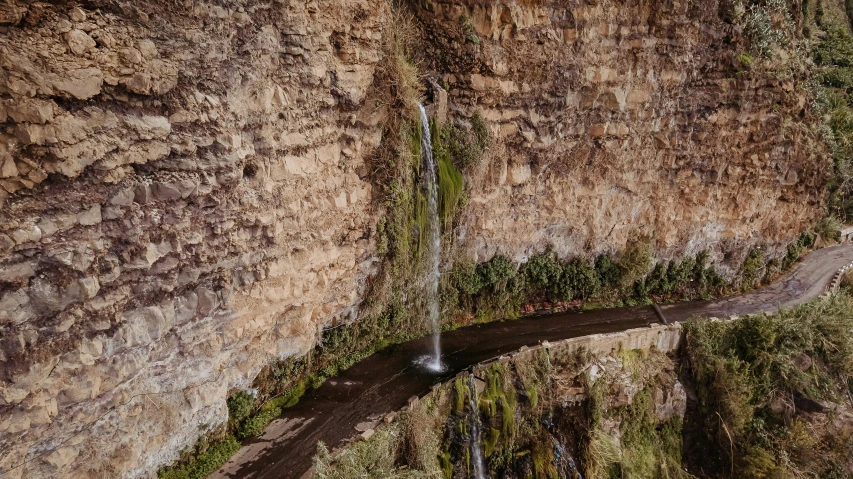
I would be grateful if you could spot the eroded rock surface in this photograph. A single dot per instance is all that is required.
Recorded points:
(184, 192)
(176, 210)
(614, 117)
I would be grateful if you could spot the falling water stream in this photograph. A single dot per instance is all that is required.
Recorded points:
(433, 241)
(474, 424)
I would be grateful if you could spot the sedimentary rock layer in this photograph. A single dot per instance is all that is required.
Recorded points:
(184, 191)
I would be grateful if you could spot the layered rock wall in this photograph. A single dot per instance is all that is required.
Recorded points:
(184, 192)
(181, 202)
(616, 117)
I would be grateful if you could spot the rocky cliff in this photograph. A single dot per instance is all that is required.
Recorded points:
(187, 190)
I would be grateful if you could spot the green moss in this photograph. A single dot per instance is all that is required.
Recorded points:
(204, 464)
(451, 188)
(446, 465)
(290, 397)
(460, 390)
(490, 441)
(543, 460)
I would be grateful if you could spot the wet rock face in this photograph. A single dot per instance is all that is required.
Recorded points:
(612, 116)
(183, 190)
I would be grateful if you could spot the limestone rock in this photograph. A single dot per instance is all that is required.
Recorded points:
(26, 235)
(6, 242)
(131, 55)
(79, 42)
(27, 110)
(519, 174)
(180, 203)
(77, 15)
(82, 84)
(91, 216)
(148, 49)
(11, 12)
(8, 169)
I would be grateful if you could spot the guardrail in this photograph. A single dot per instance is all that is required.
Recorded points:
(839, 276)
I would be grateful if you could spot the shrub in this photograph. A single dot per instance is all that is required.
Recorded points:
(764, 37)
(833, 54)
(795, 249)
(578, 279)
(657, 281)
(636, 260)
(609, 273)
(240, 405)
(496, 272)
(467, 278)
(741, 367)
(542, 271)
(466, 147)
(847, 281)
(706, 277)
(205, 463)
(480, 129)
(828, 228)
(752, 269)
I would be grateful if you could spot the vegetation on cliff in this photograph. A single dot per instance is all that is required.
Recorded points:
(499, 288)
(773, 391)
(833, 59)
(766, 384)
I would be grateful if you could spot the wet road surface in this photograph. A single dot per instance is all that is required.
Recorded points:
(382, 383)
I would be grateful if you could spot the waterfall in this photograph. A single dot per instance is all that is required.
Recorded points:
(433, 240)
(474, 425)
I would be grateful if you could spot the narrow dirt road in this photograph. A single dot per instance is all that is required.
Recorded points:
(385, 381)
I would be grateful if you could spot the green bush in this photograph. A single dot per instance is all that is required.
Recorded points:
(496, 272)
(542, 271)
(752, 269)
(578, 279)
(466, 278)
(240, 405)
(741, 367)
(493, 275)
(828, 228)
(205, 463)
(465, 147)
(795, 249)
(255, 425)
(706, 277)
(636, 261)
(609, 273)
